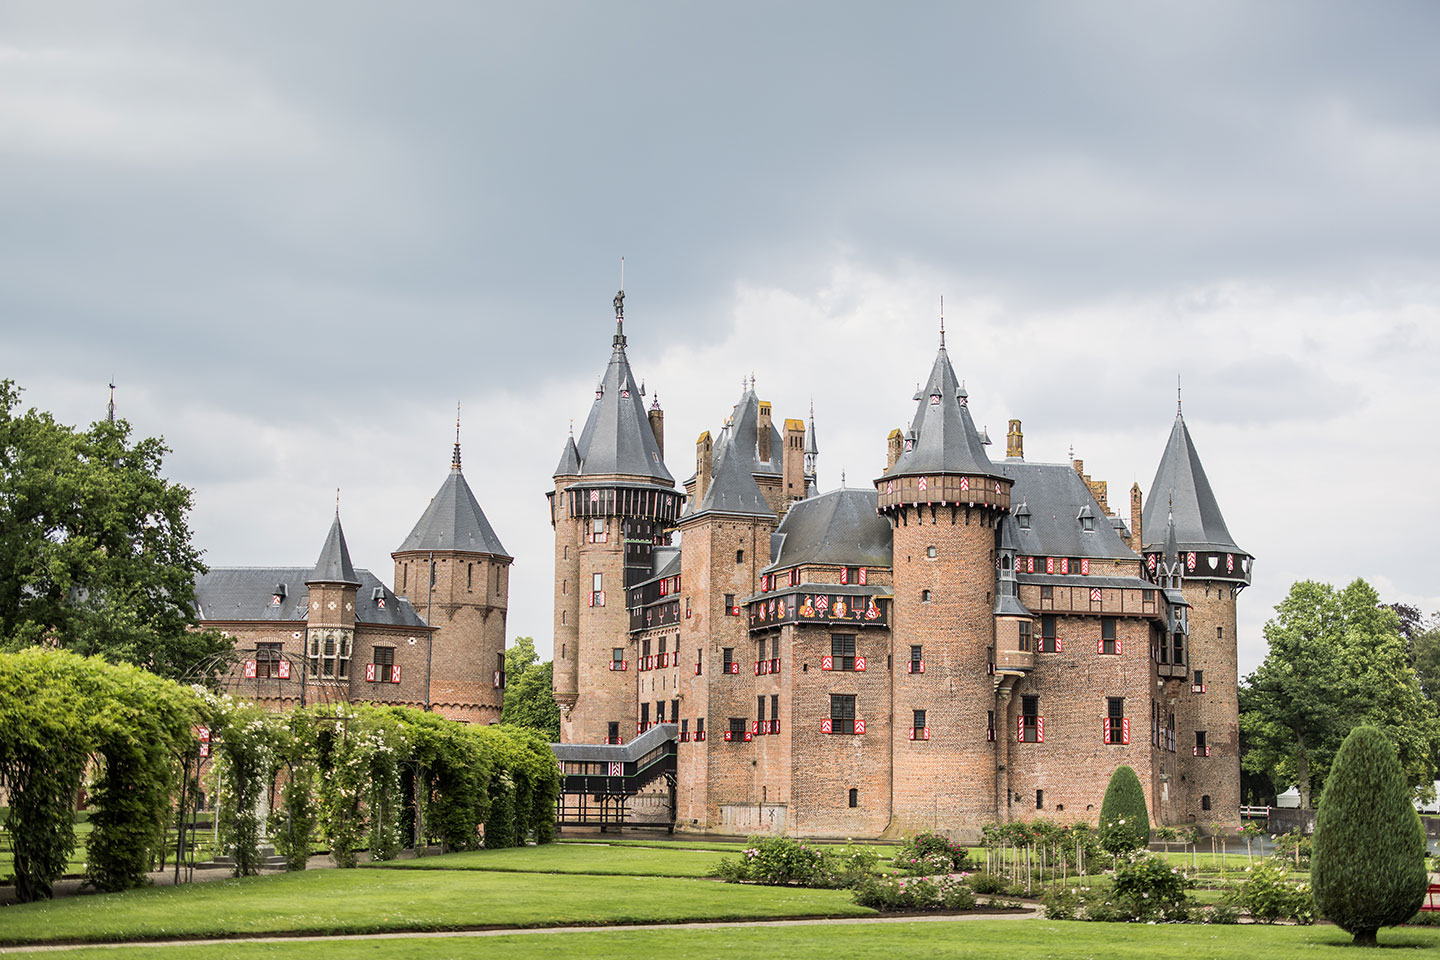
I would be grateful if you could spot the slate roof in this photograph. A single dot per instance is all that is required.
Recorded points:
(334, 565)
(617, 752)
(945, 437)
(1182, 488)
(745, 434)
(244, 593)
(569, 465)
(840, 527)
(732, 487)
(618, 439)
(1055, 495)
(454, 521)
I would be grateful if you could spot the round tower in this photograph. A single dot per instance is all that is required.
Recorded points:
(944, 500)
(1212, 571)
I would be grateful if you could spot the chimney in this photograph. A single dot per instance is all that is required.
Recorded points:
(1015, 442)
(703, 449)
(792, 466)
(893, 445)
(657, 425)
(1137, 542)
(762, 433)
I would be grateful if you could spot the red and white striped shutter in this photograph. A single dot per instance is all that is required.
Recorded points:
(754, 726)
(859, 664)
(1049, 564)
(844, 575)
(862, 576)
(922, 666)
(912, 733)
(859, 727)
(735, 666)
(827, 726)
(369, 672)
(1107, 730)
(616, 769)
(1065, 565)
(1020, 729)
(1125, 730)
(927, 733)
(1119, 644)
(1084, 567)
(1059, 644)
(284, 669)
(592, 598)
(827, 663)
(1039, 729)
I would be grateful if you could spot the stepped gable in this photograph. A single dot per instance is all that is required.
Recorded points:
(454, 521)
(618, 439)
(1181, 489)
(943, 438)
(732, 487)
(248, 593)
(334, 565)
(840, 527)
(1054, 496)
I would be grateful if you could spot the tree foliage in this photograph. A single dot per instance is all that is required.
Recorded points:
(529, 696)
(59, 714)
(1336, 658)
(96, 544)
(1124, 819)
(1368, 859)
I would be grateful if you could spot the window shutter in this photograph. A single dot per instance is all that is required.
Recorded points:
(859, 728)
(1020, 729)
(1100, 646)
(1039, 729)
(826, 726)
(592, 598)
(862, 576)
(1125, 730)
(284, 669)
(827, 663)
(1107, 730)
(369, 671)
(1119, 645)
(859, 664)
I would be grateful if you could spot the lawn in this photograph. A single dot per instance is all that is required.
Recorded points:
(725, 846)
(367, 901)
(574, 858)
(1016, 939)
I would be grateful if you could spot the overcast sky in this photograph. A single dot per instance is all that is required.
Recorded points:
(297, 234)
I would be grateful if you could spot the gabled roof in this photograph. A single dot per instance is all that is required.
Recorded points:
(745, 434)
(945, 439)
(1182, 488)
(246, 593)
(334, 565)
(840, 527)
(1054, 496)
(732, 486)
(617, 439)
(454, 521)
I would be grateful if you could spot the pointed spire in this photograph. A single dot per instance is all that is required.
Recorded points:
(455, 460)
(942, 437)
(110, 412)
(1199, 524)
(1178, 408)
(619, 303)
(333, 565)
(942, 321)
(454, 521)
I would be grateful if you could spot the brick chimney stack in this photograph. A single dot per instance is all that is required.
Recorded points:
(1015, 442)
(704, 448)
(657, 424)
(1136, 540)
(893, 445)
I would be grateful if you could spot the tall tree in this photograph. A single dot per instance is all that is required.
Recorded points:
(95, 552)
(1336, 659)
(520, 656)
(531, 702)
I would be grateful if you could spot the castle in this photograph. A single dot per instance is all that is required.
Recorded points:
(972, 640)
(334, 633)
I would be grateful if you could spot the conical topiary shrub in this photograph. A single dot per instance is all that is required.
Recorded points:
(1124, 821)
(1368, 858)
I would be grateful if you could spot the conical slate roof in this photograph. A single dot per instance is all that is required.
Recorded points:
(1182, 488)
(732, 486)
(569, 465)
(618, 439)
(945, 439)
(454, 521)
(334, 565)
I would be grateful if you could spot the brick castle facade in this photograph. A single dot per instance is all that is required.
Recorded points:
(971, 640)
(333, 633)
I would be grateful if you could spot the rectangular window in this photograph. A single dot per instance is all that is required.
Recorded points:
(469, 576)
(774, 713)
(1049, 642)
(267, 660)
(730, 609)
(499, 671)
(760, 710)
(1219, 633)
(597, 532)
(1039, 799)
(612, 733)
(659, 711)
(918, 728)
(645, 647)
(990, 726)
(617, 656)
(1047, 592)
(737, 729)
(1025, 641)
(685, 730)
(699, 728)
(842, 713)
(1107, 636)
(1202, 749)
(1116, 729)
(597, 582)
(1197, 683)
(1177, 648)
(699, 660)
(674, 711)
(644, 715)
(728, 659)
(1029, 719)
(842, 651)
(917, 658)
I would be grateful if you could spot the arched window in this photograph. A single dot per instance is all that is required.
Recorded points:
(855, 797)
(1205, 802)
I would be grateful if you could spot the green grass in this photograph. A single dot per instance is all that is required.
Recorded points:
(367, 901)
(574, 858)
(726, 846)
(1017, 939)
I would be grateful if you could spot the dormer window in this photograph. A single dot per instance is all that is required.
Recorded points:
(1024, 519)
(278, 597)
(377, 596)
(934, 399)
(1087, 524)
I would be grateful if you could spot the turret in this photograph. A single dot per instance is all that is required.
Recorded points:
(330, 621)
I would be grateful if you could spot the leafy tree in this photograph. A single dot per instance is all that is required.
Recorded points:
(1336, 658)
(1124, 821)
(96, 544)
(1368, 860)
(530, 702)
(1425, 647)
(519, 657)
